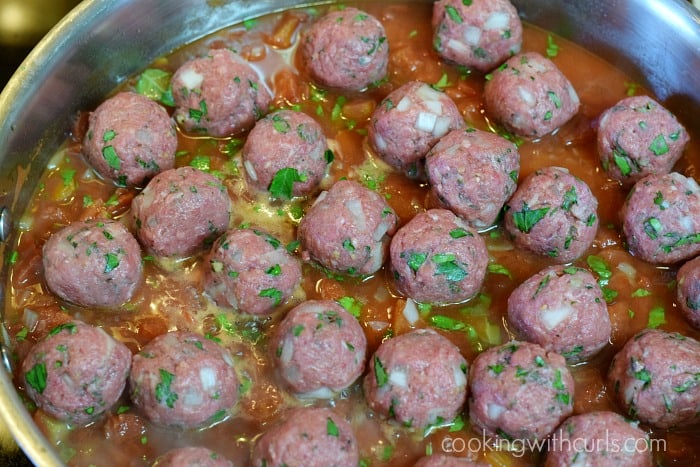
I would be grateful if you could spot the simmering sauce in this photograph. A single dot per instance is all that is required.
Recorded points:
(640, 294)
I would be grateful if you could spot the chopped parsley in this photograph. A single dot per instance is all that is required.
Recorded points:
(163, 389)
(527, 218)
(282, 185)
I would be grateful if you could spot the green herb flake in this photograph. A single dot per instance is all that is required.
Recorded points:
(273, 293)
(641, 293)
(351, 305)
(275, 270)
(459, 232)
(155, 84)
(297, 330)
(446, 323)
(570, 198)
(332, 428)
(497, 369)
(280, 124)
(36, 377)
(657, 317)
(201, 162)
(282, 185)
(380, 373)
(163, 390)
(659, 146)
(552, 47)
(110, 155)
(454, 14)
(416, 260)
(495, 268)
(527, 218)
(442, 83)
(111, 262)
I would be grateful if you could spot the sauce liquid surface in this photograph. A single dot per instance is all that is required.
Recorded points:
(171, 296)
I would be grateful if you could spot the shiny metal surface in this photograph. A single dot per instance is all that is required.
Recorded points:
(102, 42)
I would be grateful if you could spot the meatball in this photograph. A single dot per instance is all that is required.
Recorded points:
(93, 263)
(437, 258)
(180, 212)
(183, 380)
(76, 373)
(130, 138)
(519, 391)
(408, 122)
(347, 230)
(286, 153)
(345, 49)
(417, 379)
(479, 34)
(530, 96)
(661, 218)
(563, 310)
(319, 348)
(312, 437)
(473, 173)
(441, 460)
(599, 439)
(192, 456)
(218, 95)
(688, 291)
(554, 214)
(638, 137)
(250, 271)
(654, 378)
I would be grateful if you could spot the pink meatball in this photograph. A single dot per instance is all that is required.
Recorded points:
(130, 138)
(479, 34)
(345, 49)
(319, 348)
(76, 373)
(219, 94)
(416, 379)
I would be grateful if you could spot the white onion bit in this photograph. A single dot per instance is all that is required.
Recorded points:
(410, 312)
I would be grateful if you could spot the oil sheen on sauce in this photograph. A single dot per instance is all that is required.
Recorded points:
(171, 297)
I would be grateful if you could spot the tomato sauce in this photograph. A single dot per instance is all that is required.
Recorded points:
(171, 297)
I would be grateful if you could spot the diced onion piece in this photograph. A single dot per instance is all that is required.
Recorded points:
(404, 104)
(30, 319)
(379, 142)
(434, 106)
(426, 122)
(287, 351)
(355, 208)
(457, 46)
(526, 96)
(497, 20)
(378, 325)
(573, 95)
(380, 231)
(494, 411)
(628, 270)
(460, 377)
(552, 317)
(442, 126)
(251, 170)
(398, 378)
(208, 378)
(472, 35)
(410, 312)
(426, 93)
(191, 78)
(320, 393)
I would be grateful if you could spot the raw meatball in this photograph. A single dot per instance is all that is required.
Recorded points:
(530, 96)
(408, 122)
(286, 148)
(661, 218)
(348, 229)
(218, 95)
(603, 439)
(180, 212)
(250, 271)
(479, 34)
(654, 378)
(441, 460)
(319, 348)
(183, 380)
(93, 264)
(345, 49)
(130, 138)
(688, 291)
(76, 373)
(309, 437)
(473, 173)
(437, 258)
(417, 378)
(638, 137)
(192, 457)
(519, 391)
(554, 214)
(563, 310)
